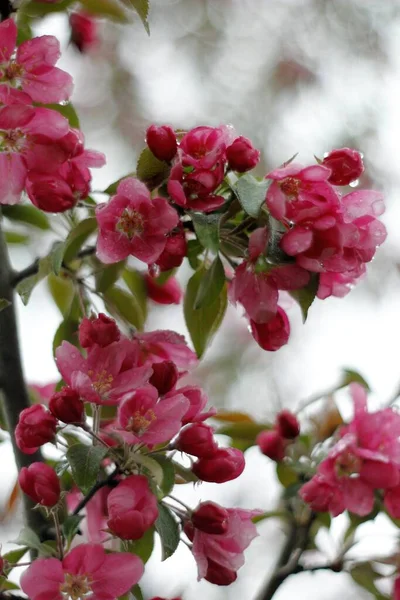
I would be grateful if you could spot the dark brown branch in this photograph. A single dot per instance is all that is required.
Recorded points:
(14, 393)
(6, 9)
(110, 481)
(34, 267)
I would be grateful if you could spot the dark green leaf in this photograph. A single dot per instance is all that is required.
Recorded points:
(63, 291)
(251, 193)
(204, 322)
(150, 170)
(143, 547)
(142, 9)
(70, 527)
(13, 237)
(286, 475)
(68, 111)
(112, 188)
(56, 257)
(85, 462)
(211, 285)
(168, 472)
(4, 303)
(6, 584)
(25, 287)
(27, 537)
(350, 376)
(168, 530)
(123, 304)
(194, 248)
(306, 296)
(106, 276)
(78, 236)
(365, 576)
(38, 9)
(106, 8)
(15, 555)
(68, 331)
(25, 213)
(137, 592)
(206, 227)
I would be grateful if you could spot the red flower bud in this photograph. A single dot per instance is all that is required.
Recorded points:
(197, 439)
(132, 508)
(101, 330)
(272, 444)
(225, 465)
(287, 424)
(162, 142)
(346, 165)
(40, 482)
(36, 426)
(189, 530)
(218, 574)
(169, 292)
(2, 566)
(174, 252)
(84, 34)
(67, 406)
(274, 334)
(165, 376)
(210, 518)
(241, 155)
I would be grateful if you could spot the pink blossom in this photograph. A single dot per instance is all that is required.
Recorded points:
(339, 284)
(323, 495)
(165, 376)
(225, 549)
(175, 250)
(40, 482)
(224, 465)
(149, 420)
(162, 142)
(32, 69)
(95, 522)
(203, 147)
(241, 155)
(169, 292)
(105, 375)
(195, 189)
(99, 331)
(43, 392)
(198, 401)
(86, 569)
(272, 444)
(132, 508)
(273, 335)
(163, 344)
(84, 31)
(36, 426)
(132, 223)
(396, 589)
(346, 165)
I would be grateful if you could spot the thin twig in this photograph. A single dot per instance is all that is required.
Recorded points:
(109, 481)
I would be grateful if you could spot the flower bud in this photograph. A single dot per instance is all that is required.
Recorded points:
(272, 444)
(67, 406)
(188, 528)
(36, 426)
(210, 518)
(169, 292)
(274, 334)
(40, 482)
(84, 34)
(162, 142)
(174, 252)
(226, 464)
(346, 165)
(102, 331)
(241, 155)
(132, 508)
(288, 425)
(218, 574)
(2, 565)
(164, 377)
(198, 440)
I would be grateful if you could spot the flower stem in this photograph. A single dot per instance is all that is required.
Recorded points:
(60, 545)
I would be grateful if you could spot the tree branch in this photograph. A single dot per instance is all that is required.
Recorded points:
(110, 481)
(12, 384)
(6, 9)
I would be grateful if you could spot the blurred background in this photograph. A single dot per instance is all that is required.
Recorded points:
(300, 76)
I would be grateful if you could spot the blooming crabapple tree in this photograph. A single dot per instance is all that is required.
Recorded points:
(126, 424)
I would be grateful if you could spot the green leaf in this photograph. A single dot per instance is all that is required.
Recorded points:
(27, 537)
(143, 547)
(364, 575)
(68, 111)
(36, 9)
(6, 584)
(78, 236)
(106, 276)
(125, 305)
(70, 527)
(244, 431)
(137, 592)
(15, 555)
(13, 237)
(168, 472)
(25, 213)
(211, 285)
(349, 376)
(194, 248)
(63, 292)
(137, 286)
(25, 287)
(112, 188)
(286, 475)
(306, 296)
(204, 322)
(106, 8)
(4, 303)
(277, 514)
(85, 462)
(68, 331)
(251, 193)
(150, 170)
(142, 9)
(186, 474)
(56, 257)
(206, 227)
(168, 530)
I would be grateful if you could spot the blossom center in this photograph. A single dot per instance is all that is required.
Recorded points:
(290, 187)
(347, 464)
(139, 423)
(130, 223)
(76, 587)
(101, 381)
(12, 140)
(13, 74)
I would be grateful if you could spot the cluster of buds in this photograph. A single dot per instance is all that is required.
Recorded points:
(274, 442)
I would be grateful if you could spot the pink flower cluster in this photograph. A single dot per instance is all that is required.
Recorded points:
(365, 458)
(39, 152)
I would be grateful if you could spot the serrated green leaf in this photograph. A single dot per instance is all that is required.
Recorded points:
(78, 236)
(4, 303)
(306, 295)
(251, 193)
(206, 227)
(150, 170)
(106, 8)
(142, 9)
(68, 331)
(14, 237)
(63, 291)
(204, 322)
(168, 530)
(85, 462)
(24, 213)
(68, 111)
(125, 305)
(211, 285)
(106, 276)
(27, 537)
(143, 547)
(70, 526)
(168, 470)
(112, 188)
